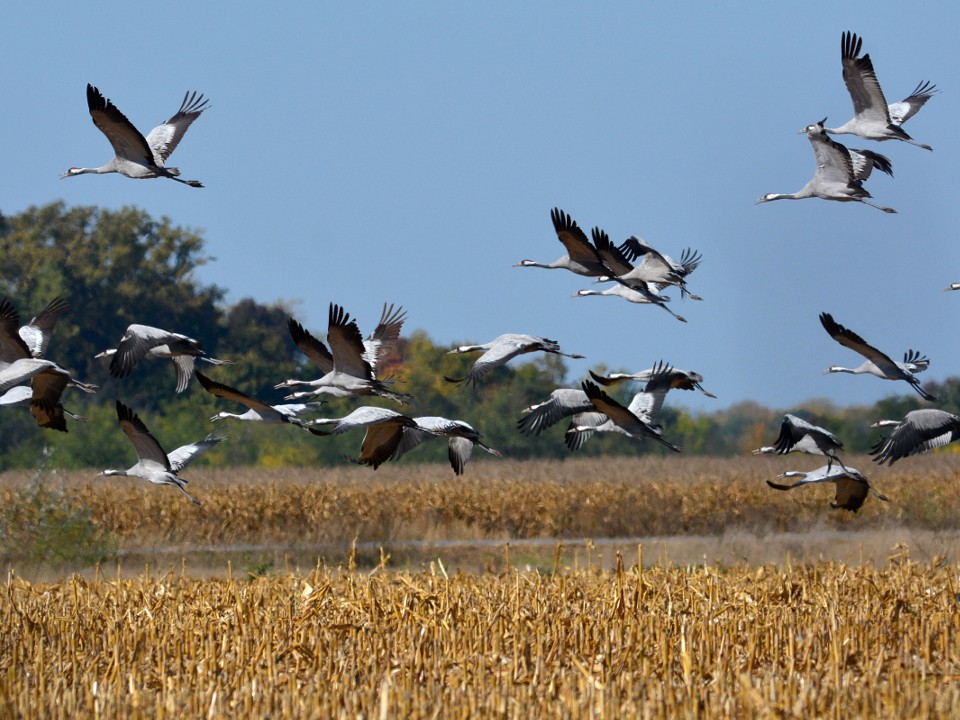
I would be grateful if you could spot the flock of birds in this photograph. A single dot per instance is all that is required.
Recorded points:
(633, 271)
(841, 171)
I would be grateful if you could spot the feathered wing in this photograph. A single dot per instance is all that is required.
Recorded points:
(563, 402)
(147, 447)
(574, 240)
(126, 140)
(902, 111)
(384, 338)
(861, 81)
(346, 345)
(36, 334)
(310, 346)
(164, 138)
(186, 454)
(919, 432)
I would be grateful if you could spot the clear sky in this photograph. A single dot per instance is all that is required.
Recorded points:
(411, 153)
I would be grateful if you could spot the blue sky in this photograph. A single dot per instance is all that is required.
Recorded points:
(411, 154)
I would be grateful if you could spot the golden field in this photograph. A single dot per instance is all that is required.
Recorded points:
(408, 593)
(817, 640)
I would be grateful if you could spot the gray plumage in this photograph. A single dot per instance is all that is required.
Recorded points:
(581, 257)
(153, 464)
(877, 363)
(18, 366)
(384, 430)
(37, 333)
(620, 419)
(350, 365)
(798, 435)
(502, 349)
(920, 431)
(852, 486)
(873, 118)
(257, 410)
(142, 341)
(461, 438)
(837, 176)
(136, 156)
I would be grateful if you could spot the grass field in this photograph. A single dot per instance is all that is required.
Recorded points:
(630, 588)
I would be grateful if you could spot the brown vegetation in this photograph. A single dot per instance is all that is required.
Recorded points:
(820, 640)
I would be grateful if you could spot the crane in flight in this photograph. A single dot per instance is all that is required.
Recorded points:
(136, 156)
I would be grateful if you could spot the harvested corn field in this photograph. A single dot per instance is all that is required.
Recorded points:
(819, 640)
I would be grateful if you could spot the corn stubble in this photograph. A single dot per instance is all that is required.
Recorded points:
(819, 640)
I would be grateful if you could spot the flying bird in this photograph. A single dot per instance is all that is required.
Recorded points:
(620, 419)
(18, 366)
(350, 365)
(920, 431)
(873, 118)
(137, 156)
(42, 398)
(877, 363)
(675, 378)
(384, 430)
(838, 176)
(645, 405)
(141, 341)
(798, 435)
(502, 349)
(257, 410)
(581, 257)
(852, 486)
(461, 439)
(634, 295)
(654, 269)
(153, 464)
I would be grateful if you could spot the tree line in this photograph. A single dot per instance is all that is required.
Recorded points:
(121, 267)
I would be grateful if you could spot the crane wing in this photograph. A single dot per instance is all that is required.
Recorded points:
(314, 349)
(861, 81)
(126, 140)
(164, 138)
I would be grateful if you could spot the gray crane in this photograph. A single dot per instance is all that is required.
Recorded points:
(852, 486)
(877, 363)
(838, 177)
(502, 349)
(142, 341)
(573, 403)
(654, 270)
(153, 464)
(873, 118)
(18, 365)
(461, 439)
(350, 365)
(798, 435)
(674, 378)
(646, 404)
(42, 398)
(620, 419)
(920, 431)
(581, 257)
(638, 295)
(137, 156)
(257, 410)
(384, 430)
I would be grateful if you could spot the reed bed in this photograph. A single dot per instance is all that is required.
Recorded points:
(815, 640)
